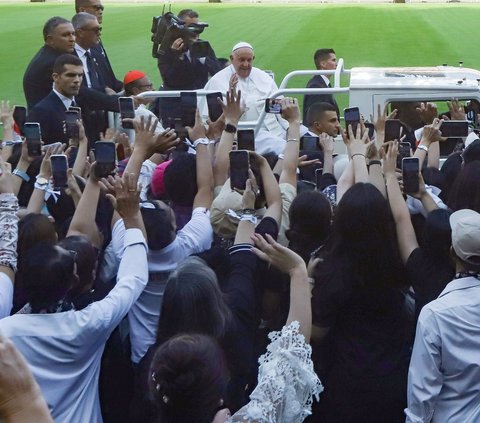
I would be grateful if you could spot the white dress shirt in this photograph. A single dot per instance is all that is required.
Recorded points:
(67, 102)
(444, 374)
(196, 236)
(86, 72)
(6, 295)
(64, 350)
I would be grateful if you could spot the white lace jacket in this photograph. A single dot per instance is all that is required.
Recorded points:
(286, 381)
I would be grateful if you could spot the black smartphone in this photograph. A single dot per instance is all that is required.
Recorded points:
(273, 105)
(392, 129)
(59, 170)
(33, 138)
(239, 165)
(214, 107)
(454, 128)
(180, 130)
(127, 111)
(71, 128)
(371, 129)
(105, 158)
(246, 139)
(403, 151)
(352, 117)
(309, 143)
(200, 48)
(188, 101)
(318, 177)
(20, 116)
(410, 169)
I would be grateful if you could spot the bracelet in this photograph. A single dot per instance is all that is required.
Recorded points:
(249, 218)
(8, 143)
(41, 187)
(375, 162)
(203, 141)
(21, 174)
(311, 281)
(358, 154)
(248, 211)
(423, 147)
(292, 140)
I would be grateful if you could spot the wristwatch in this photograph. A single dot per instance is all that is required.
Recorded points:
(231, 129)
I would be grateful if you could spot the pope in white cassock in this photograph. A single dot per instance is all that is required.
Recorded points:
(255, 85)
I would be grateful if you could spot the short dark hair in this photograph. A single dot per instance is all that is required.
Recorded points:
(158, 224)
(188, 378)
(47, 274)
(65, 59)
(51, 24)
(187, 13)
(180, 179)
(322, 54)
(316, 110)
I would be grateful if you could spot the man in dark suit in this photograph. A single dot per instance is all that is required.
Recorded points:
(93, 97)
(59, 37)
(181, 71)
(95, 7)
(325, 59)
(67, 77)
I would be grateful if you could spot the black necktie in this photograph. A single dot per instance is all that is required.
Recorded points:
(92, 71)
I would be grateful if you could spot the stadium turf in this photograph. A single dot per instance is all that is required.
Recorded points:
(284, 36)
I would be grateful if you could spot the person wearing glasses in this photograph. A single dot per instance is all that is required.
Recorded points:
(95, 7)
(95, 98)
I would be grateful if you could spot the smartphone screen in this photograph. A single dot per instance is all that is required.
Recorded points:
(71, 128)
(127, 111)
(239, 165)
(105, 158)
(371, 129)
(309, 143)
(318, 176)
(272, 105)
(20, 116)
(188, 102)
(403, 151)
(410, 169)
(246, 139)
(392, 129)
(199, 48)
(352, 117)
(59, 170)
(214, 107)
(33, 138)
(454, 128)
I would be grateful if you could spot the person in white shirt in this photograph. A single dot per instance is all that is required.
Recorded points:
(64, 348)
(167, 247)
(256, 86)
(444, 374)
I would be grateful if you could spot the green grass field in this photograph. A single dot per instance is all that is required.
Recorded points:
(284, 36)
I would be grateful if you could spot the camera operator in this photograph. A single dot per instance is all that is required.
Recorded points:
(181, 67)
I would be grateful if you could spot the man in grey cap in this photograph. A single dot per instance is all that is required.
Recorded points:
(444, 374)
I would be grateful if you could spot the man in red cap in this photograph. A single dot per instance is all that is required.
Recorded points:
(136, 82)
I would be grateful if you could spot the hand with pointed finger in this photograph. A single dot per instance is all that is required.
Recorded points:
(390, 161)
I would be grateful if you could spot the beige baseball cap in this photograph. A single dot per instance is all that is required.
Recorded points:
(466, 235)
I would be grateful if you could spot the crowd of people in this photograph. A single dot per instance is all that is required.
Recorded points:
(186, 285)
